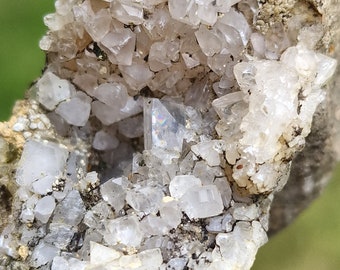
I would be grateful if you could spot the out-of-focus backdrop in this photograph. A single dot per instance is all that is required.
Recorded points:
(312, 242)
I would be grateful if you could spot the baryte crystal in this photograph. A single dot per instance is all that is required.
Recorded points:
(124, 230)
(61, 263)
(40, 160)
(145, 199)
(197, 95)
(75, 111)
(113, 191)
(102, 255)
(170, 212)
(131, 127)
(71, 210)
(164, 125)
(147, 259)
(206, 173)
(176, 264)
(245, 212)
(109, 115)
(136, 75)
(208, 41)
(60, 235)
(98, 25)
(43, 253)
(104, 141)
(112, 94)
(127, 12)
(27, 214)
(162, 53)
(52, 90)
(97, 214)
(44, 208)
(217, 224)
(239, 22)
(44, 185)
(202, 202)
(180, 184)
(223, 104)
(209, 151)
(180, 9)
(224, 187)
(121, 45)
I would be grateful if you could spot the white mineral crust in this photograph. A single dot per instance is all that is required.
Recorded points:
(169, 126)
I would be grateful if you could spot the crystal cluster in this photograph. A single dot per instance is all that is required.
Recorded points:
(175, 121)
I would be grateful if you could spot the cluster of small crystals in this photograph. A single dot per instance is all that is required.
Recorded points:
(192, 117)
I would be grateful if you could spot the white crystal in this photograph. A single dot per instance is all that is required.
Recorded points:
(112, 94)
(104, 141)
(98, 25)
(127, 12)
(60, 235)
(170, 212)
(27, 214)
(245, 212)
(208, 41)
(106, 114)
(267, 100)
(40, 160)
(71, 210)
(206, 173)
(164, 125)
(209, 151)
(61, 263)
(145, 199)
(43, 185)
(202, 202)
(52, 90)
(162, 53)
(246, 238)
(43, 253)
(180, 184)
(102, 255)
(239, 22)
(113, 192)
(75, 111)
(124, 230)
(190, 61)
(176, 263)
(222, 105)
(137, 75)
(131, 127)
(224, 188)
(44, 208)
(150, 259)
(207, 12)
(121, 43)
(215, 224)
(180, 9)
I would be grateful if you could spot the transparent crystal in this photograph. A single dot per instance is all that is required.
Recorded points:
(202, 202)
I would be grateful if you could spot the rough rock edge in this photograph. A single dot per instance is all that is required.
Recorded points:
(311, 169)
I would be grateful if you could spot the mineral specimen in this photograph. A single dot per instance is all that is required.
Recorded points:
(159, 133)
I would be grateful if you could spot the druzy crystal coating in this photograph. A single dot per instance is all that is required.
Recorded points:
(174, 123)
